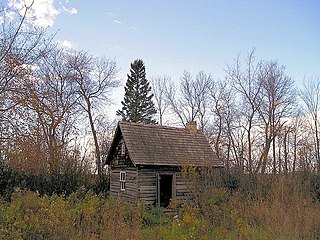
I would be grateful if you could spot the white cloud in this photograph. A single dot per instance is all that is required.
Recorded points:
(113, 16)
(110, 14)
(65, 44)
(71, 11)
(117, 21)
(42, 12)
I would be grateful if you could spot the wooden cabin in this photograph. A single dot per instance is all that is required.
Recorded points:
(146, 161)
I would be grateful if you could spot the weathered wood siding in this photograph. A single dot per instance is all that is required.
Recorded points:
(131, 191)
(147, 182)
(141, 184)
(119, 160)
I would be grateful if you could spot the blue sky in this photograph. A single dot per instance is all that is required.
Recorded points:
(173, 36)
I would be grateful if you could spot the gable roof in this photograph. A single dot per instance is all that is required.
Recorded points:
(164, 146)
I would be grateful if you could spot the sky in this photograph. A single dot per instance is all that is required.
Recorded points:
(173, 36)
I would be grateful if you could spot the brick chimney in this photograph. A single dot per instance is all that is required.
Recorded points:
(192, 126)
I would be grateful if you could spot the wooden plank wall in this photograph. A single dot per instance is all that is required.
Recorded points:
(147, 185)
(118, 160)
(131, 192)
(147, 182)
(142, 184)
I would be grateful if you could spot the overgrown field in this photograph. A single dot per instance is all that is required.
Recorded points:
(256, 209)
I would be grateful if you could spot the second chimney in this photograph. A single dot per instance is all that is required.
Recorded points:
(192, 126)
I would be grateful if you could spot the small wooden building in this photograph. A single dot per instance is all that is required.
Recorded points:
(146, 161)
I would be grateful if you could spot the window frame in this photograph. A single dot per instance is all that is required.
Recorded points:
(123, 149)
(122, 181)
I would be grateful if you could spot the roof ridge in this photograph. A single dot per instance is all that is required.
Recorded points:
(151, 125)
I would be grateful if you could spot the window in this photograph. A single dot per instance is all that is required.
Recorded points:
(122, 181)
(123, 149)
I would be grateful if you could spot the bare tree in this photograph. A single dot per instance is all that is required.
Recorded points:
(277, 101)
(311, 99)
(223, 120)
(192, 101)
(94, 79)
(295, 131)
(203, 85)
(159, 85)
(21, 45)
(105, 129)
(50, 94)
(245, 81)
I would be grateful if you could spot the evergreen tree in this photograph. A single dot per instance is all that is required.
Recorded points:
(138, 105)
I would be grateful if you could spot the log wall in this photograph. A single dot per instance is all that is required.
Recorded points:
(131, 189)
(147, 184)
(141, 184)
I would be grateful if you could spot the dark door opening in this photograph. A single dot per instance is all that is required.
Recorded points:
(165, 190)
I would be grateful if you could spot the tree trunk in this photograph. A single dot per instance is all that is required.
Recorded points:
(274, 167)
(263, 160)
(264, 156)
(285, 145)
(250, 146)
(317, 142)
(279, 155)
(294, 153)
(217, 147)
(95, 139)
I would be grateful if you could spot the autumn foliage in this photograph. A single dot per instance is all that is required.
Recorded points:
(242, 208)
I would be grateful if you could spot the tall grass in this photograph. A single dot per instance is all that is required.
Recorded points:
(29, 216)
(285, 212)
(253, 208)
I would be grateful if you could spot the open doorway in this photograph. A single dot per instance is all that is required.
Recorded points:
(164, 189)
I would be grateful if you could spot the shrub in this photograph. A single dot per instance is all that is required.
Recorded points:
(63, 183)
(277, 207)
(315, 186)
(153, 216)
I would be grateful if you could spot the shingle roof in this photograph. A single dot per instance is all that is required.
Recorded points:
(161, 145)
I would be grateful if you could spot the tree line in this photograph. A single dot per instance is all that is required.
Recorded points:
(255, 118)
(53, 108)
(52, 127)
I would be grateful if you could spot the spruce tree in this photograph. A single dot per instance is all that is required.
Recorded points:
(138, 105)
